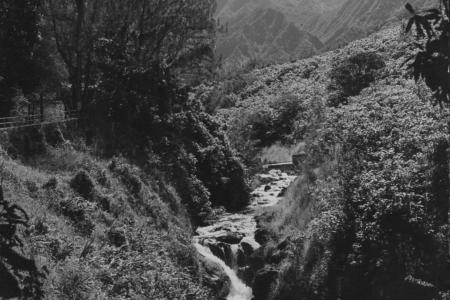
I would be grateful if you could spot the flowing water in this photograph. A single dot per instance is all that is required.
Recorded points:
(243, 226)
(238, 289)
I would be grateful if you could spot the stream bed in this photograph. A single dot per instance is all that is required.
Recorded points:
(231, 239)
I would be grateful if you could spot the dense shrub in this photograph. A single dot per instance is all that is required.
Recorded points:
(258, 124)
(212, 175)
(368, 218)
(352, 75)
(82, 184)
(75, 282)
(77, 210)
(377, 222)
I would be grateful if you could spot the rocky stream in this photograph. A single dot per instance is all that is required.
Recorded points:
(226, 246)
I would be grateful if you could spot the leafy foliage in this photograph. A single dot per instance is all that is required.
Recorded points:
(19, 35)
(20, 276)
(368, 216)
(432, 62)
(352, 75)
(128, 42)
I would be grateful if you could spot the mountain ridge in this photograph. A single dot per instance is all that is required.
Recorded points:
(303, 28)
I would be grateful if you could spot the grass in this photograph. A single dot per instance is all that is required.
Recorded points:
(68, 232)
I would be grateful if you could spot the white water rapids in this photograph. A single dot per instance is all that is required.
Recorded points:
(238, 289)
(243, 224)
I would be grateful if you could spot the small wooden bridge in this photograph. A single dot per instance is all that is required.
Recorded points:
(293, 165)
(7, 123)
(284, 166)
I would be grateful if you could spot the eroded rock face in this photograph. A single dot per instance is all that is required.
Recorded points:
(214, 276)
(221, 250)
(249, 246)
(264, 282)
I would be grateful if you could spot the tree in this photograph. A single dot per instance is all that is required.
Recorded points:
(352, 75)
(19, 36)
(151, 37)
(74, 24)
(432, 63)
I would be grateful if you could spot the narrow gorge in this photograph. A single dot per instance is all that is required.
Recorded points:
(226, 246)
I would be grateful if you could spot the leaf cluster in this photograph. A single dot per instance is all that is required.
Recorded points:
(20, 276)
(432, 62)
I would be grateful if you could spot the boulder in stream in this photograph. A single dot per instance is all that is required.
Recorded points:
(230, 237)
(248, 247)
(282, 193)
(262, 236)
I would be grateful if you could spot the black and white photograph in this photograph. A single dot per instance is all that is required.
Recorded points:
(225, 149)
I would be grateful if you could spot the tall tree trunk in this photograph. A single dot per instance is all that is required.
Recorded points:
(77, 88)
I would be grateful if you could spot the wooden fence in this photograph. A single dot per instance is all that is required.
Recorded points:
(36, 120)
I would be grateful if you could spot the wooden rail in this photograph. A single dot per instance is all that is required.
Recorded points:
(7, 123)
(279, 166)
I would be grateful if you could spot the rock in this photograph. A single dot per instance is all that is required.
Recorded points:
(247, 248)
(277, 257)
(283, 245)
(222, 251)
(217, 250)
(230, 238)
(282, 193)
(266, 179)
(263, 284)
(215, 277)
(275, 173)
(262, 201)
(257, 260)
(267, 188)
(241, 258)
(262, 236)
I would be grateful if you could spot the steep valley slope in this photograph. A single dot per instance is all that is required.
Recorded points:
(365, 219)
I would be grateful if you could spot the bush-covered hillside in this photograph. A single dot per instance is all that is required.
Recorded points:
(285, 102)
(119, 227)
(101, 229)
(368, 216)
